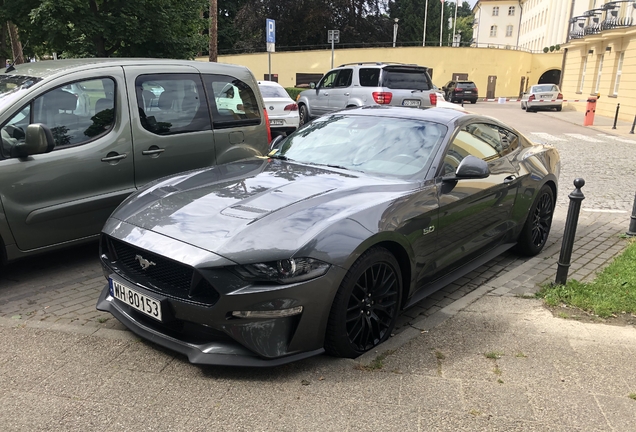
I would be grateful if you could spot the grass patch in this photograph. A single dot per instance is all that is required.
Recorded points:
(377, 363)
(439, 355)
(520, 354)
(632, 396)
(612, 292)
(497, 371)
(494, 355)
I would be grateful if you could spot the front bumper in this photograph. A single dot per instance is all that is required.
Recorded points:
(210, 335)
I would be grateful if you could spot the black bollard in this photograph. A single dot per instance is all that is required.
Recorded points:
(618, 106)
(633, 126)
(576, 196)
(632, 222)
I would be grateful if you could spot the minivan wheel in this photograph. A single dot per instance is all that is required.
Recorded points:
(366, 305)
(302, 114)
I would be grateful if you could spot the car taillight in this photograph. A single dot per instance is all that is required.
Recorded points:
(433, 99)
(269, 130)
(475, 90)
(382, 98)
(531, 98)
(560, 96)
(291, 107)
(457, 89)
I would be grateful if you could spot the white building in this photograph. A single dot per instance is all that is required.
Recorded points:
(535, 25)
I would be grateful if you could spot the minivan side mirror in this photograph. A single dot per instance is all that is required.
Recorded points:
(312, 85)
(38, 139)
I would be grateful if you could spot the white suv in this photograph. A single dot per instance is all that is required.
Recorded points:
(360, 84)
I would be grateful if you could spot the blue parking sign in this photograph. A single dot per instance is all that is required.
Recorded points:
(270, 29)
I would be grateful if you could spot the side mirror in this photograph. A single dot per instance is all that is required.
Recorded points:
(471, 167)
(312, 85)
(275, 143)
(38, 139)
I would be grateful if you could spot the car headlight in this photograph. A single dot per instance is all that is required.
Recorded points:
(285, 271)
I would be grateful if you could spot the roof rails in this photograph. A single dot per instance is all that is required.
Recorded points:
(378, 63)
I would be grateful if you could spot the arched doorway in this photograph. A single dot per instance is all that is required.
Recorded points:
(550, 77)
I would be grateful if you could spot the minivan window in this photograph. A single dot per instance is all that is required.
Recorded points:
(232, 102)
(405, 79)
(76, 113)
(344, 78)
(172, 103)
(10, 84)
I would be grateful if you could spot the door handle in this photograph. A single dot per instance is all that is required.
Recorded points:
(113, 157)
(346, 94)
(510, 178)
(325, 94)
(154, 151)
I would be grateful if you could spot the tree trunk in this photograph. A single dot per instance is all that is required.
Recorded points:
(3, 44)
(16, 46)
(214, 18)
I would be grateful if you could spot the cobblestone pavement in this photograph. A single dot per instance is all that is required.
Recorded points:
(62, 288)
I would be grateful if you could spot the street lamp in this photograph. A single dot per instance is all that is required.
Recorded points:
(395, 27)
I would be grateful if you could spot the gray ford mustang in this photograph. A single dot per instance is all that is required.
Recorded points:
(352, 218)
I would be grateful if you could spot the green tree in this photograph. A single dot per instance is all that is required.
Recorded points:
(106, 28)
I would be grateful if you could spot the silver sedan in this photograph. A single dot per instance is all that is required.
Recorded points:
(542, 97)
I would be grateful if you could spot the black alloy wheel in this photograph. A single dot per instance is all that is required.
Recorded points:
(366, 305)
(534, 234)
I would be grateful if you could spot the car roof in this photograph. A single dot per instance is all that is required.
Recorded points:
(438, 115)
(270, 83)
(48, 68)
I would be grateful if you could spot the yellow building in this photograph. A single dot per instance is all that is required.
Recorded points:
(496, 72)
(600, 58)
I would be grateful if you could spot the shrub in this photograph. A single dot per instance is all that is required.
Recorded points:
(293, 91)
(546, 49)
(557, 47)
(552, 48)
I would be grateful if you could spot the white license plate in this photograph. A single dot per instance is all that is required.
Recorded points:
(276, 122)
(136, 300)
(548, 96)
(411, 102)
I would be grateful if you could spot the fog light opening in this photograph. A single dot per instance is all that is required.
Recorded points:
(281, 313)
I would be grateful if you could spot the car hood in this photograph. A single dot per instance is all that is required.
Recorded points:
(247, 208)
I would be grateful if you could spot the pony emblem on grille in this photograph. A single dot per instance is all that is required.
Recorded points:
(143, 262)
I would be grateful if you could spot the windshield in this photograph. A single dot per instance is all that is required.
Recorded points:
(384, 146)
(273, 92)
(10, 84)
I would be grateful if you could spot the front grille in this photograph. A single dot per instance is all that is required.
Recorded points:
(162, 275)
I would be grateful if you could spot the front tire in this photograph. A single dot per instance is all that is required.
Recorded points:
(366, 305)
(534, 234)
(302, 115)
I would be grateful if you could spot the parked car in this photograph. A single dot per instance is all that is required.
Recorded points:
(78, 136)
(281, 109)
(360, 84)
(542, 97)
(457, 91)
(352, 218)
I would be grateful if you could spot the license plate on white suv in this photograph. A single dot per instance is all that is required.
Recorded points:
(411, 102)
(135, 299)
(276, 122)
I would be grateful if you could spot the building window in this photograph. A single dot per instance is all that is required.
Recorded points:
(583, 68)
(509, 31)
(511, 11)
(600, 71)
(493, 31)
(495, 11)
(619, 71)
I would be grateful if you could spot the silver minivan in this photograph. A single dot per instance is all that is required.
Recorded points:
(368, 83)
(78, 136)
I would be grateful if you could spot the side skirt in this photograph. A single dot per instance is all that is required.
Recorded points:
(449, 278)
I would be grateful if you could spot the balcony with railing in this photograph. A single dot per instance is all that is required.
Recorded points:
(607, 17)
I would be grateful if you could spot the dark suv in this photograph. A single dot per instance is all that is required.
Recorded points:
(456, 91)
(359, 84)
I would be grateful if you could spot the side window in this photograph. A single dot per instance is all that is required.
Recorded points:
(477, 139)
(76, 113)
(509, 141)
(369, 77)
(328, 80)
(344, 78)
(232, 102)
(172, 103)
(13, 132)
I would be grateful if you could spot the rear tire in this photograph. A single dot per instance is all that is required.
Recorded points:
(366, 305)
(536, 230)
(559, 108)
(474, 101)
